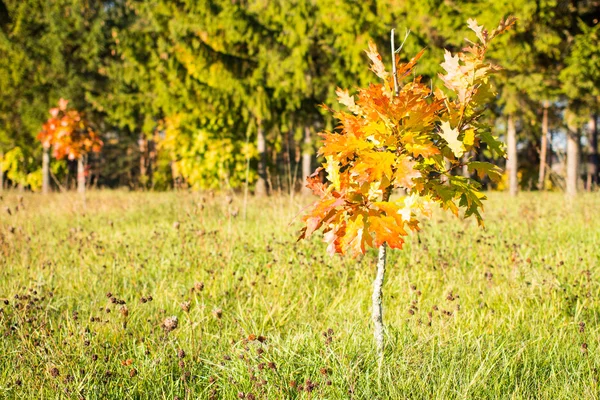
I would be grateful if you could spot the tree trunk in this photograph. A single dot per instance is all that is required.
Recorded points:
(511, 162)
(592, 158)
(1, 172)
(262, 188)
(306, 159)
(378, 299)
(543, 148)
(80, 176)
(572, 161)
(143, 145)
(45, 171)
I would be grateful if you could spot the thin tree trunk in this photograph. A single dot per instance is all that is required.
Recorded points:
(377, 299)
(80, 176)
(306, 159)
(143, 144)
(261, 188)
(592, 159)
(1, 172)
(572, 161)
(543, 148)
(152, 154)
(511, 162)
(45, 171)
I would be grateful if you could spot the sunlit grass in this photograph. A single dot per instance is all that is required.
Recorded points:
(510, 311)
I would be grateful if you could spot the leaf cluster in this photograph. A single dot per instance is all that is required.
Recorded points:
(409, 139)
(68, 133)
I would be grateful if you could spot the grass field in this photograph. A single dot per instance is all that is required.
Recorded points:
(88, 299)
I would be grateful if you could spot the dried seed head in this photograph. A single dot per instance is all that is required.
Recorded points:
(199, 286)
(124, 311)
(181, 353)
(170, 323)
(218, 313)
(54, 372)
(132, 372)
(185, 306)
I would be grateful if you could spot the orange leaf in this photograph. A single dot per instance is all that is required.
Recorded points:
(377, 65)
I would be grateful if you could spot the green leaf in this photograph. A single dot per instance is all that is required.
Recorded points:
(484, 168)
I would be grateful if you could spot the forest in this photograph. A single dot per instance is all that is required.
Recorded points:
(227, 94)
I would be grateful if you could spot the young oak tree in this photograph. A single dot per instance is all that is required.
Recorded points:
(402, 134)
(70, 136)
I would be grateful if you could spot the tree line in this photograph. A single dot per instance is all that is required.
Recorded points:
(227, 93)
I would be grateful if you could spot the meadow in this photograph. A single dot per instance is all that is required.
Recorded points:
(189, 296)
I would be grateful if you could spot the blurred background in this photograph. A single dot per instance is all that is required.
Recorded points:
(225, 94)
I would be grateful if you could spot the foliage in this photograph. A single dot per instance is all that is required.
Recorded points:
(581, 77)
(69, 134)
(409, 138)
(227, 67)
(18, 168)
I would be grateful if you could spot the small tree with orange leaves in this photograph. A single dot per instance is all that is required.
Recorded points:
(404, 134)
(70, 136)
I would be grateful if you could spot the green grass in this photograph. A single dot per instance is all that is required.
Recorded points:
(510, 328)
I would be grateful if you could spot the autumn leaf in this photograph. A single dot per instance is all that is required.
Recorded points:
(355, 238)
(386, 230)
(314, 183)
(451, 137)
(479, 30)
(320, 213)
(419, 145)
(405, 173)
(346, 99)
(377, 65)
(373, 166)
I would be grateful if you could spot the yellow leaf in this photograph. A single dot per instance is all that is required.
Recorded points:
(451, 137)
